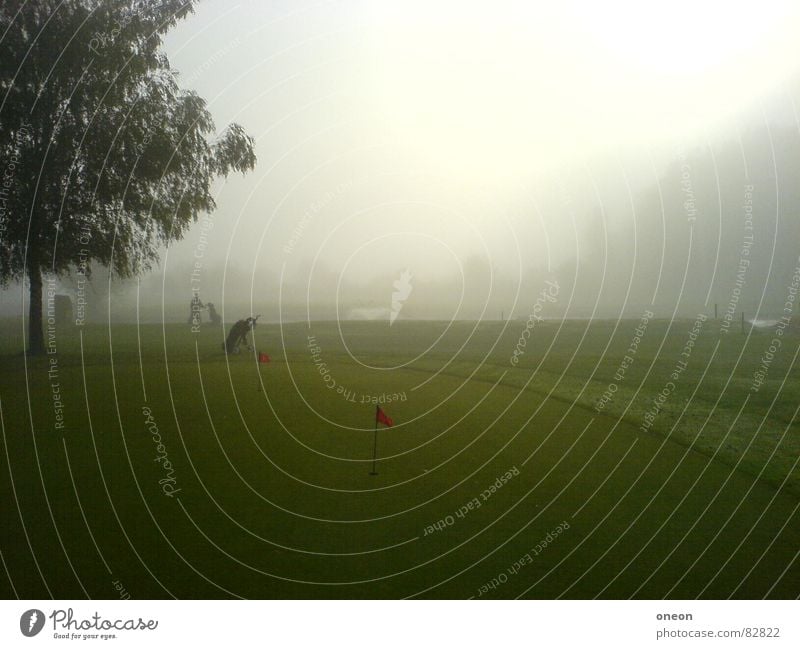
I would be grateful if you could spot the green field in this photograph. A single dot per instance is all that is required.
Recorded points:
(268, 494)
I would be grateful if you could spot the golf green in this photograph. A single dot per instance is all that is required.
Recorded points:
(142, 461)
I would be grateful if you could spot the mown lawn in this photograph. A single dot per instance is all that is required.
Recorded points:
(179, 472)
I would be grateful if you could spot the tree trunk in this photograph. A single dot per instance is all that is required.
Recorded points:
(35, 333)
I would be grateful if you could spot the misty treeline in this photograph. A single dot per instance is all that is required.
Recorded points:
(720, 226)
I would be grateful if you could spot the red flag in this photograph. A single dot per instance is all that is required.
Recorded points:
(263, 358)
(382, 418)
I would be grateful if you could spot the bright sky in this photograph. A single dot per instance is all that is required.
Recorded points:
(444, 116)
(511, 78)
(414, 134)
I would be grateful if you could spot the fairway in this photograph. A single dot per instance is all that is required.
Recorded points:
(141, 461)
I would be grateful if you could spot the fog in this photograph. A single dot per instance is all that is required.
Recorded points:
(485, 150)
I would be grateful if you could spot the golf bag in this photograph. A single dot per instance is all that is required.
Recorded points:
(238, 335)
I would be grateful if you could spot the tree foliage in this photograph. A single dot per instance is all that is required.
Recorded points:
(105, 157)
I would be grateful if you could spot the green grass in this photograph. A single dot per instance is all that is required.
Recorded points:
(273, 467)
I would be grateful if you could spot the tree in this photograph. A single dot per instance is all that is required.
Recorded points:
(104, 157)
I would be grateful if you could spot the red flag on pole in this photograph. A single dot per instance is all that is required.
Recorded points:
(263, 358)
(382, 418)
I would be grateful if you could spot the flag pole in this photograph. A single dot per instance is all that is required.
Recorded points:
(375, 444)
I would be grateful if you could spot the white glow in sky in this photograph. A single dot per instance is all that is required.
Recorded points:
(512, 80)
(428, 115)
